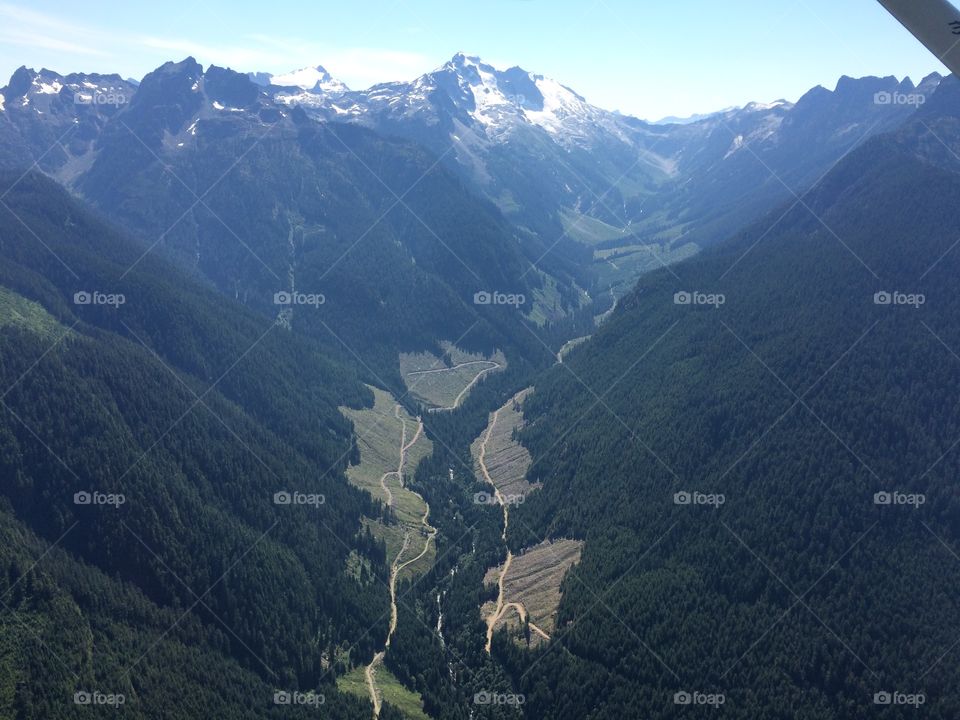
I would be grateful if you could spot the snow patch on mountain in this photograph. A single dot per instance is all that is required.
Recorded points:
(560, 106)
(736, 145)
(220, 106)
(313, 79)
(489, 101)
(760, 107)
(48, 88)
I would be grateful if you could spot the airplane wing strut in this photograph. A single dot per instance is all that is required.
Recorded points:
(935, 23)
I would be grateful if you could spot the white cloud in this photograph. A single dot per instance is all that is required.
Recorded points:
(35, 40)
(28, 28)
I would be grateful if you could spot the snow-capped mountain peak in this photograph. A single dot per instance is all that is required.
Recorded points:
(460, 60)
(465, 92)
(312, 79)
(44, 89)
(502, 100)
(481, 82)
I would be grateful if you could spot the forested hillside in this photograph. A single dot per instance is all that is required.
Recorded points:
(148, 427)
(721, 444)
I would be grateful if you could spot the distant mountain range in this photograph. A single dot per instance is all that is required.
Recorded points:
(674, 120)
(258, 198)
(595, 198)
(571, 171)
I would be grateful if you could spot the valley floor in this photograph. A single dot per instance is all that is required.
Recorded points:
(387, 434)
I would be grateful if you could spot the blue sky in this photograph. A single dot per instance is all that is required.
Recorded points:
(646, 58)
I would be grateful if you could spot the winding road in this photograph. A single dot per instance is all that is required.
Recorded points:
(502, 606)
(396, 567)
(522, 613)
(492, 365)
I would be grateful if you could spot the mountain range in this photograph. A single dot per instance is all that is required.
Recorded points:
(591, 194)
(728, 347)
